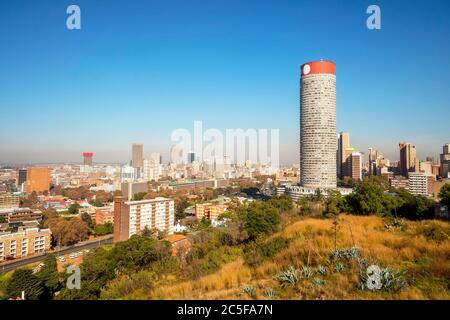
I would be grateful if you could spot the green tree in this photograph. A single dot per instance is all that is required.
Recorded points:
(74, 208)
(25, 280)
(180, 206)
(86, 218)
(367, 198)
(282, 203)
(260, 219)
(444, 194)
(103, 229)
(413, 206)
(48, 275)
(139, 196)
(333, 205)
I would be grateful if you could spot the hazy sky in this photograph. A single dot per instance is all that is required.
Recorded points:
(137, 70)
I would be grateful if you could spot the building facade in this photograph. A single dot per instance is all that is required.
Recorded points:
(23, 243)
(104, 215)
(408, 158)
(356, 165)
(38, 180)
(209, 211)
(318, 125)
(9, 200)
(421, 183)
(343, 143)
(87, 158)
(445, 161)
(137, 155)
(132, 217)
(12, 215)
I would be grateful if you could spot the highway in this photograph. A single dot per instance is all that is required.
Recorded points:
(14, 264)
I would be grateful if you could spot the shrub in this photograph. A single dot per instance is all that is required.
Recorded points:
(257, 252)
(433, 231)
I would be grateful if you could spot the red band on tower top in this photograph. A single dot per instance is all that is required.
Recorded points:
(318, 67)
(87, 154)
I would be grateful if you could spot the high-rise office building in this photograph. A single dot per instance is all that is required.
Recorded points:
(137, 159)
(22, 177)
(372, 154)
(38, 179)
(318, 125)
(408, 158)
(356, 165)
(87, 158)
(190, 157)
(445, 161)
(343, 143)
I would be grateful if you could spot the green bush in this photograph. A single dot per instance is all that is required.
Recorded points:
(257, 252)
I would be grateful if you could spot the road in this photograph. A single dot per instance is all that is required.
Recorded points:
(11, 265)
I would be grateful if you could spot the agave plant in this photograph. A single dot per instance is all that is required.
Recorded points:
(352, 253)
(250, 291)
(322, 270)
(306, 272)
(289, 276)
(384, 279)
(270, 293)
(339, 267)
(318, 282)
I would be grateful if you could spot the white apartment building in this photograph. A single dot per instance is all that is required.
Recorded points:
(132, 217)
(421, 183)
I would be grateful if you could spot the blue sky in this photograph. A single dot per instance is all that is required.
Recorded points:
(137, 70)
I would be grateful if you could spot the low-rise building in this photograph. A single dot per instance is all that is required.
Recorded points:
(296, 192)
(181, 244)
(104, 215)
(209, 211)
(9, 200)
(21, 214)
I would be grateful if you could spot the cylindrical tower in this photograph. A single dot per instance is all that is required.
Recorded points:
(87, 157)
(318, 125)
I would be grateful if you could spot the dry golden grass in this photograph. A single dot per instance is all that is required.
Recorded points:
(426, 261)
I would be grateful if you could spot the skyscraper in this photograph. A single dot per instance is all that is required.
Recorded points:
(87, 157)
(408, 158)
(22, 177)
(343, 143)
(190, 157)
(137, 151)
(318, 125)
(356, 165)
(445, 161)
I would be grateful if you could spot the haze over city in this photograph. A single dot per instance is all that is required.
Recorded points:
(136, 72)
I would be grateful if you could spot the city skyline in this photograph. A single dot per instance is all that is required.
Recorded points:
(229, 68)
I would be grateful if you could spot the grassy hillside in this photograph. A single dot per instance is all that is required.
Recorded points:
(419, 249)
